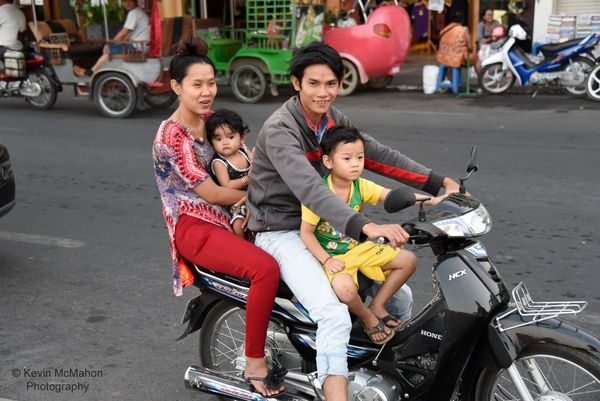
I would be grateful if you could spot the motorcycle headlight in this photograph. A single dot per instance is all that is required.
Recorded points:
(476, 222)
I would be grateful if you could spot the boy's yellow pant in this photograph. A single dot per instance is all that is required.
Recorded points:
(367, 258)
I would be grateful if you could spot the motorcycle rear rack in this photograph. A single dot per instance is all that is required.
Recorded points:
(536, 311)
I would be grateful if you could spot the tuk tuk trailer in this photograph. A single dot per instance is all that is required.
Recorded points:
(126, 82)
(257, 56)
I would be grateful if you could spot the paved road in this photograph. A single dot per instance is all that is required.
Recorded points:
(84, 266)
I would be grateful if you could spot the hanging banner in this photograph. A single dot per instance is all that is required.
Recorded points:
(436, 5)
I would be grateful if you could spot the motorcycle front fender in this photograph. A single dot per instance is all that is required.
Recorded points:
(508, 344)
(494, 59)
(196, 310)
(499, 348)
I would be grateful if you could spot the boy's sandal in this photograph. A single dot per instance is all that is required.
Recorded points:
(379, 329)
(389, 318)
(273, 380)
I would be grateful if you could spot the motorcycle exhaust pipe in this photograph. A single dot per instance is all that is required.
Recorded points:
(208, 381)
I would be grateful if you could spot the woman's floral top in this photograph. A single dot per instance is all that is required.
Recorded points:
(180, 164)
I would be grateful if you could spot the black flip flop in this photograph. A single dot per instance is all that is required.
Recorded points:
(273, 380)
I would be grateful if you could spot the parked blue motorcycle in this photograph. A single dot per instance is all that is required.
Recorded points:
(566, 64)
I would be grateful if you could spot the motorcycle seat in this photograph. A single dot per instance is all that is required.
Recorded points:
(283, 291)
(553, 48)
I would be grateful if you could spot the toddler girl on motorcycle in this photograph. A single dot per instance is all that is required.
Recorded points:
(226, 131)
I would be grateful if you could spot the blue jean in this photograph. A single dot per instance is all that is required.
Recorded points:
(305, 277)
(116, 48)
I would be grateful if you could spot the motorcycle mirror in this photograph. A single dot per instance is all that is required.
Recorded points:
(472, 166)
(398, 199)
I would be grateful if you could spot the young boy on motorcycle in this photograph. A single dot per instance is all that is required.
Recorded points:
(342, 257)
(287, 171)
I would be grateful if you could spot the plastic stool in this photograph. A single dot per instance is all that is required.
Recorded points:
(456, 79)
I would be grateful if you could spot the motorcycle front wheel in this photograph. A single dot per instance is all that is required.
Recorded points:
(222, 342)
(550, 372)
(46, 99)
(493, 79)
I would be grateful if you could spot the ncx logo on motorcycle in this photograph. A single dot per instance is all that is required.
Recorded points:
(493, 348)
(457, 274)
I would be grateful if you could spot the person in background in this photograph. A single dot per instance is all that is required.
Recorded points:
(485, 27)
(455, 44)
(136, 28)
(12, 22)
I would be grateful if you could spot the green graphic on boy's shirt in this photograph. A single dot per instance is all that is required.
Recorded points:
(332, 240)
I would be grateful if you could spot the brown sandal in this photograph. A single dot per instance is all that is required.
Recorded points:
(391, 319)
(380, 328)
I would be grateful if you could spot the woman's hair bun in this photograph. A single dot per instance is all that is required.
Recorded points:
(192, 46)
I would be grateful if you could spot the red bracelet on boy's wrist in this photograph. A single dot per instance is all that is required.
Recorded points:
(326, 259)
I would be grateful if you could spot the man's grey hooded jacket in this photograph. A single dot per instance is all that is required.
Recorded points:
(287, 171)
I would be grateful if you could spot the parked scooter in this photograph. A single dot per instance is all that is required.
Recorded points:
(26, 74)
(566, 64)
(470, 342)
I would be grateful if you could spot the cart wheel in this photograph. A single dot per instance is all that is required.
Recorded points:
(161, 100)
(350, 80)
(115, 95)
(380, 83)
(248, 83)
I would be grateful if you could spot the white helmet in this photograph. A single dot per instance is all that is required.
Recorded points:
(516, 31)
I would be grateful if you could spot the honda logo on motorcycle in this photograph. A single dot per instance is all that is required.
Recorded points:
(431, 335)
(458, 274)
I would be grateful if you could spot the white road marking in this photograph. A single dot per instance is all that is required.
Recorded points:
(41, 240)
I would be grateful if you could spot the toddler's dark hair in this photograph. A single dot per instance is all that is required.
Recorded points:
(337, 135)
(190, 50)
(228, 118)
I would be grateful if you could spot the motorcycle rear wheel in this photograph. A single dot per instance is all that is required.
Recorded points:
(222, 342)
(493, 79)
(568, 374)
(49, 90)
(584, 65)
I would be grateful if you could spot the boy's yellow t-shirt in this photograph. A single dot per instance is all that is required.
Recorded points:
(332, 240)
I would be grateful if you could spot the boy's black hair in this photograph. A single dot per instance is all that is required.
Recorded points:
(337, 135)
(316, 53)
(228, 118)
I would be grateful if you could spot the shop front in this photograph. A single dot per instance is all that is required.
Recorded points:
(562, 20)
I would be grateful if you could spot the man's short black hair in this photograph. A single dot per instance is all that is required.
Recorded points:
(316, 53)
(225, 117)
(338, 135)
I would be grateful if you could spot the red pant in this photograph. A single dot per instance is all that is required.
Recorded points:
(217, 249)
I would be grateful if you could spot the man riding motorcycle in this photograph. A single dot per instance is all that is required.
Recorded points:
(12, 22)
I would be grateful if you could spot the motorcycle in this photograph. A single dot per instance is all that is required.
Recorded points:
(566, 64)
(470, 342)
(26, 74)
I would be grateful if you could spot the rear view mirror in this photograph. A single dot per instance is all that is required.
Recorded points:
(473, 160)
